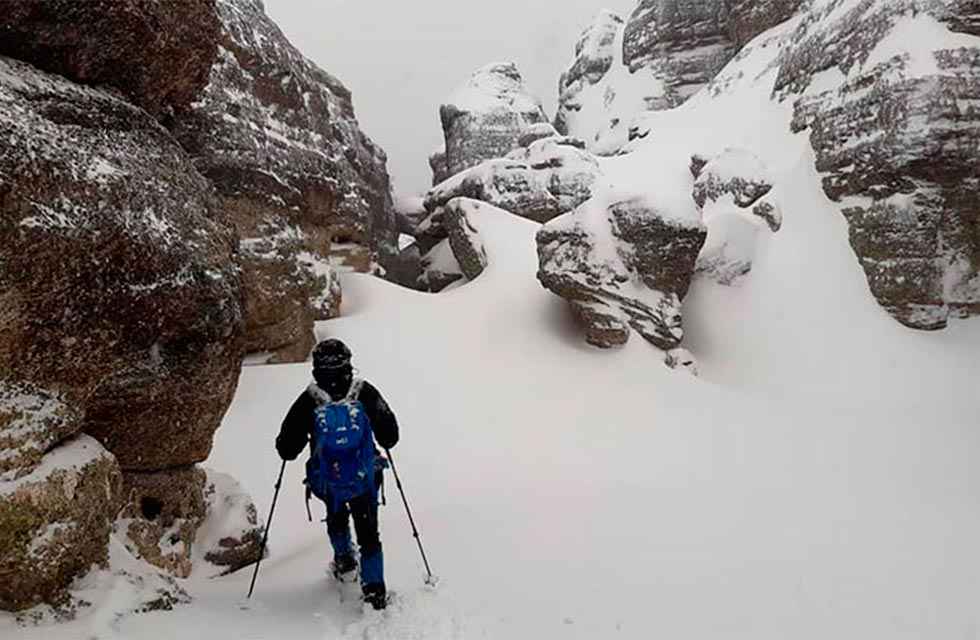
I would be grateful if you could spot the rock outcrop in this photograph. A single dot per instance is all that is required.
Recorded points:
(158, 54)
(55, 522)
(464, 238)
(162, 514)
(485, 118)
(550, 177)
(176, 518)
(595, 53)
(897, 137)
(278, 138)
(666, 52)
(32, 421)
(623, 263)
(117, 277)
(684, 42)
(732, 192)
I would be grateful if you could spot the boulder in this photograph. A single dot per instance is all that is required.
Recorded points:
(184, 519)
(486, 116)
(550, 177)
(623, 263)
(32, 421)
(118, 281)
(230, 536)
(55, 522)
(158, 54)
(907, 179)
(464, 238)
(278, 138)
(162, 514)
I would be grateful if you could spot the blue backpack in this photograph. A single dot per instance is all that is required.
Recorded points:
(341, 466)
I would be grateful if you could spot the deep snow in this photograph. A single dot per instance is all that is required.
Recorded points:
(820, 480)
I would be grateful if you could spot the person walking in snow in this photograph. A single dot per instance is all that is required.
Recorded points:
(340, 417)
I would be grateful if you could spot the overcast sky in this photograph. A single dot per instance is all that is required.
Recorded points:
(402, 58)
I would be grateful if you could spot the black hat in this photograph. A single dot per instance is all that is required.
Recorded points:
(331, 354)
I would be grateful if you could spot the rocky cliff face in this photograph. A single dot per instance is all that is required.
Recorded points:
(666, 51)
(278, 138)
(895, 126)
(158, 54)
(485, 118)
(888, 97)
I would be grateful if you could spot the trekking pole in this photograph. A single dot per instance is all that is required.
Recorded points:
(268, 523)
(430, 580)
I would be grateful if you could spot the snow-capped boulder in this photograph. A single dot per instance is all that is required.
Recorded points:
(180, 518)
(118, 283)
(158, 54)
(732, 192)
(162, 514)
(595, 53)
(683, 43)
(439, 267)
(889, 97)
(549, 177)
(464, 238)
(486, 116)
(278, 138)
(230, 536)
(32, 421)
(55, 522)
(622, 263)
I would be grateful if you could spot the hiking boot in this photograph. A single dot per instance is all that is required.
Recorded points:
(376, 595)
(344, 564)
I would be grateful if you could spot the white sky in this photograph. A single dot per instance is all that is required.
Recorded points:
(402, 58)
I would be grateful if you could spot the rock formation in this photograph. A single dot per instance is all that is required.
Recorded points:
(55, 522)
(157, 54)
(485, 118)
(278, 138)
(623, 263)
(897, 142)
(732, 192)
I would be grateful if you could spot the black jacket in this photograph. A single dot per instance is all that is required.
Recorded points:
(297, 427)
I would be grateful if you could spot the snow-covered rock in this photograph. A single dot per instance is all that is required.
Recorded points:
(439, 267)
(55, 522)
(32, 421)
(622, 263)
(188, 518)
(683, 42)
(890, 97)
(118, 283)
(278, 138)
(731, 190)
(485, 118)
(161, 516)
(549, 177)
(464, 238)
(595, 53)
(157, 53)
(230, 536)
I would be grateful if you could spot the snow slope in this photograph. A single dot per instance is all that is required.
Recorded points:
(820, 480)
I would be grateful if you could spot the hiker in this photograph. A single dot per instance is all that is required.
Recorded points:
(341, 417)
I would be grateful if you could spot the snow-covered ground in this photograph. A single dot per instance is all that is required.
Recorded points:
(820, 480)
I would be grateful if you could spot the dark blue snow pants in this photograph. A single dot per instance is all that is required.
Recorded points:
(364, 509)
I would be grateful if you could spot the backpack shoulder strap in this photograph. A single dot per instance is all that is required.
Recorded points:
(355, 390)
(320, 397)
